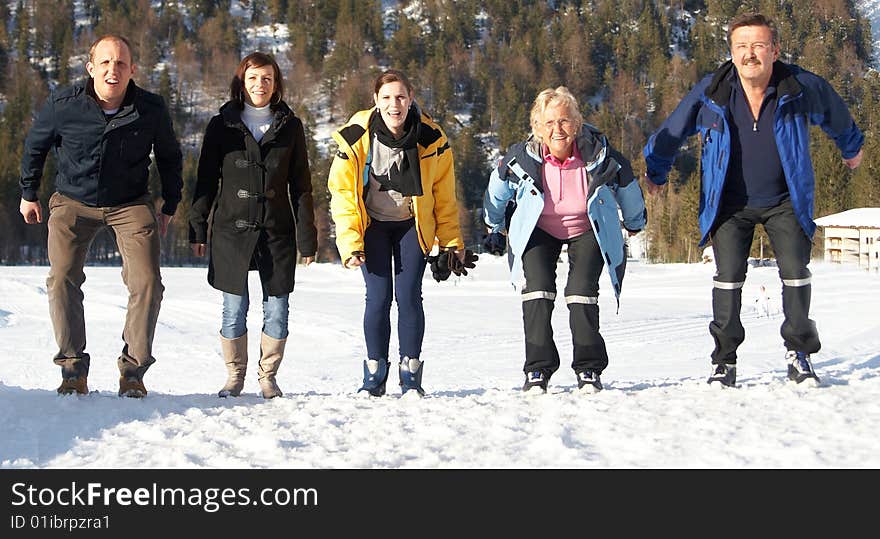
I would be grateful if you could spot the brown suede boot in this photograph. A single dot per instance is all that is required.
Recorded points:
(131, 375)
(132, 387)
(271, 353)
(74, 374)
(235, 355)
(69, 386)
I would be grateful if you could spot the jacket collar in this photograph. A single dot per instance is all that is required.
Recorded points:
(356, 130)
(281, 114)
(721, 85)
(131, 91)
(590, 146)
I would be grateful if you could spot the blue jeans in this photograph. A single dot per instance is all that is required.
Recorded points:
(235, 308)
(386, 242)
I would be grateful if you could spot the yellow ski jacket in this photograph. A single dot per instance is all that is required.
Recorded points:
(436, 211)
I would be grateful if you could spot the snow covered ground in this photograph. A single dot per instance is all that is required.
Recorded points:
(656, 410)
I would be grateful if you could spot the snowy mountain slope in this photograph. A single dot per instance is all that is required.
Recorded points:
(870, 9)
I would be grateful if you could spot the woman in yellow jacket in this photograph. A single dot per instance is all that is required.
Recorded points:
(392, 188)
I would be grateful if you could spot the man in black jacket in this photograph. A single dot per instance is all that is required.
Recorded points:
(102, 132)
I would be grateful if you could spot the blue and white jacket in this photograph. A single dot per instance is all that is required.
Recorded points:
(803, 99)
(518, 178)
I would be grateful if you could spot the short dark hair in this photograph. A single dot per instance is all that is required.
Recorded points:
(392, 75)
(110, 37)
(753, 19)
(255, 59)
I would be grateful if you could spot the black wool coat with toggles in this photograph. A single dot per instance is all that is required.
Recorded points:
(261, 197)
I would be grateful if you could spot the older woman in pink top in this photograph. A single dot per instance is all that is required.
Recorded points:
(566, 180)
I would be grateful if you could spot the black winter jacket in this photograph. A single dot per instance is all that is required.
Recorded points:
(103, 163)
(261, 196)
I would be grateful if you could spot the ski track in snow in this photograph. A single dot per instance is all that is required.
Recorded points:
(656, 410)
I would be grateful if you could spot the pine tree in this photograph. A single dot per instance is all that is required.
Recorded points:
(166, 90)
(22, 34)
(406, 44)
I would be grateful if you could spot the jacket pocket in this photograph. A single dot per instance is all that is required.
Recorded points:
(134, 145)
(54, 200)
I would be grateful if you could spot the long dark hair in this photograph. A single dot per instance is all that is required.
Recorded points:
(255, 59)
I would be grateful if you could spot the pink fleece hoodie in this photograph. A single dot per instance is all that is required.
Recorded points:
(565, 196)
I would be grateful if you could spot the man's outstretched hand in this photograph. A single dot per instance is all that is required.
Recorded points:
(854, 161)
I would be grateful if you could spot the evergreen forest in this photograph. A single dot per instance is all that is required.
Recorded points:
(476, 65)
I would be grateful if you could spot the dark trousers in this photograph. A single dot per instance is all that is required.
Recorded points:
(394, 269)
(581, 295)
(731, 242)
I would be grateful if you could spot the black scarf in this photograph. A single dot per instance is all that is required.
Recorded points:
(403, 175)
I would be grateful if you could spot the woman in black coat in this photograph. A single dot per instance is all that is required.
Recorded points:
(254, 174)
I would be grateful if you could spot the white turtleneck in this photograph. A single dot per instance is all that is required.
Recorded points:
(257, 119)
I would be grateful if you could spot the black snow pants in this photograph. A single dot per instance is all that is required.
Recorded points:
(731, 242)
(581, 296)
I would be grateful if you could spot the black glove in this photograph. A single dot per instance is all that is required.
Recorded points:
(459, 267)
(439, 265)
(495, 243)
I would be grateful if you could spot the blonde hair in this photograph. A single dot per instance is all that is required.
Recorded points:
(550, 97)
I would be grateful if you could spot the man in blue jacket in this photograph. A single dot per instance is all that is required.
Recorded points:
(753, 116)
(102, 132)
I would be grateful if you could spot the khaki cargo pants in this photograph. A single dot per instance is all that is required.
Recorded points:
(72, 228)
